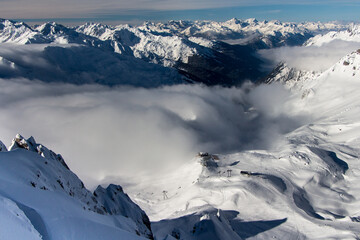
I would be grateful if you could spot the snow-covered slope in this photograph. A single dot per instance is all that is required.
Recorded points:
(40, 198)
(18, 32)
(343, 78)
(299, 192)
(346, 68)
(332, 41)
(351, 34)
(306, 188)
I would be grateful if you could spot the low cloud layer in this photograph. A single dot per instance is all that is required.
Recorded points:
(312, 58)
(104, 131)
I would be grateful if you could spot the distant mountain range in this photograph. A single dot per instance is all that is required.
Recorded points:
(149, 55)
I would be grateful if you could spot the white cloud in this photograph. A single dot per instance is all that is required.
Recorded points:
(311, 58)
(104, 132)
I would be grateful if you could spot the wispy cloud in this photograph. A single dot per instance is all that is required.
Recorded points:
(274, 11)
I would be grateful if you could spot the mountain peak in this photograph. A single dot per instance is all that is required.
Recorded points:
(50, 27)
(234, 21)
(252, 20)
(16, 32)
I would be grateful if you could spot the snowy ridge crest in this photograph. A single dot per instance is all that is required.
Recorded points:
(38, 167)
(18, 32)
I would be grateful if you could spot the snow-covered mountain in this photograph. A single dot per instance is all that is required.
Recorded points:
(295, 77)
(304, 189)
(250, 31)
(199, 32)
(40, 198)
(214, 53)
(351, 34)
(347, 70)
(18, 32)
(307, 188)
(290, 76)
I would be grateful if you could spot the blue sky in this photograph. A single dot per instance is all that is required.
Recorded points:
(137, 11)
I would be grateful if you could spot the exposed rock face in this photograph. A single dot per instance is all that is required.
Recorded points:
(116, 202)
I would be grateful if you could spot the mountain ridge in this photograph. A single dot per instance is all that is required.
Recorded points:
(35, 169)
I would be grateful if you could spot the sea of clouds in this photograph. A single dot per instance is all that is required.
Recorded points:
(121, 131)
